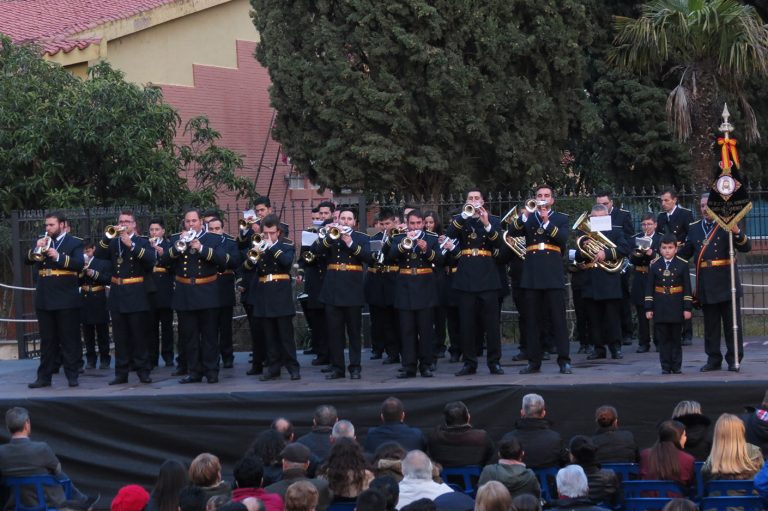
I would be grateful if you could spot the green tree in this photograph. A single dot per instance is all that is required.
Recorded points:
(425, 95)
(709, 49)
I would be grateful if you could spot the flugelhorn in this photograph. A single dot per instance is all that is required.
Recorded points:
(112, 231)
(38, 253)
(516, 244)
(592, 242)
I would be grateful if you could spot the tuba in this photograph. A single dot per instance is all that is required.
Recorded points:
(112, 231)
(590, 243)
(516, 244)
(38, 254)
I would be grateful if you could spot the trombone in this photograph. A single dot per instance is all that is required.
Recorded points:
(592, 242)
(112, 231)
(38, 254)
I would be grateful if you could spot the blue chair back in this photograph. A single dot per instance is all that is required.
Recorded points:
(342, 506)
(463, 479)
(732, 488)
(547, 482)
(645, 504)
(699, 479)
(625, 471)
(653, 489)
(745, 503)
(16, 484)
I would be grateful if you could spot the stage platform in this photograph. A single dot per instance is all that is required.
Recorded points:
(108, 436)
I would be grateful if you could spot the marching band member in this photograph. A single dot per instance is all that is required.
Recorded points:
(311, 272)
(641, 260)
(94, 315)
(58, 257)
(432, 224)
(161, 324)
(262, 206)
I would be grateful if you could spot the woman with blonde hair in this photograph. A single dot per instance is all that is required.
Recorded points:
(731, 456)
(493, 496)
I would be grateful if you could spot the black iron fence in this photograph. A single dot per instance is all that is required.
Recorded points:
(24, 227)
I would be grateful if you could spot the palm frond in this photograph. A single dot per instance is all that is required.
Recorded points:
(679, 112)
(751, 131)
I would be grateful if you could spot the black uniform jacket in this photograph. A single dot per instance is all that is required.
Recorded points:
(600, 284)
(244, 238)
(380, 277)
(622, 219)
(313, 273)
(543, 266)
(94, 293)
(711, 261)
(189, 268)
(162, 277)
(677, 223)
(134, 262)
(641, 263)
(270, 291)
(415, 284)
(57, 290)
(477, 270)
(226, 280)
(343, 283)
(663, 295)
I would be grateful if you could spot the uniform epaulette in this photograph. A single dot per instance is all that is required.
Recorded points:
(76, 237)
(656, 259)
(624, 210)
(696, 222)
(430, 233)
(363, 233)
(228, 236)
(289, 241)
(176, 234)
(682, 207)
(683, 260)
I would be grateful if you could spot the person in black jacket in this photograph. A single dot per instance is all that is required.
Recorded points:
(613, 445)
(543, 446)
(457, 443)
(641, 261)
(94, 315)
(603, 483)
(698, 429)
(161, 323)
(756, 425)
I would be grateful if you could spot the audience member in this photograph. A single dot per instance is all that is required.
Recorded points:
(253, 504)
(511, 471)
(761, 482)
(389, 488)
(218, 502)
(457, 443)
(756, 425)
(268, 446)
(171, 479)
(454, 501)
(249, 477)
(192, 498)
(343, 429)
(666, 460)
(205, 473)
(130, 498)
(697, 428)
(387, 460)
(603, 483)
(394, 429)
(613, 445)
(345, 470)
(284, 427)
(680, 505)
(301, 496)
(420, 505)
(24, 457)
(731, 456)
(526, 502)
(295, 464)
(371, 500)
(493, 496)
(573, 490)
(417, 480)
(319, 439)
(544, 446)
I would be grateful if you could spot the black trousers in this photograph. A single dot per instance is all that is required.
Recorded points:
(454, 330)
(604, 322)
(197, 333)
(643, 327)
(59, 341)
(440, 321)
(280, 344)
(319, 329)
(161, 339)
(258, 349)
(385, 337)
(417, 334)
(93, 335)
(687, 330)
(546, 305)
(627, 328)
(582, 318)
(130, 331)
(715, 316)
(517, 298)
(341, 319)
(670, 348)
(224, 327)
(488, 319)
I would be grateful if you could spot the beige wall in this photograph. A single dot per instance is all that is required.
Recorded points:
(165, 53)
(80, 70)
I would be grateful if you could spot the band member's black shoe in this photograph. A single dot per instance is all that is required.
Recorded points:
(643, 348)
(191, 379)
(334, 375)
(119, 380)
(530, 369)
(466, 371)
(496, 369)
(406, 374)
(39, 384)
(566, 368)
(710, 367)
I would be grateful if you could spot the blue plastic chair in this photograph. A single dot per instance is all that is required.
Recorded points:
(547, 483)
(463, 479)
(699, 479)
(645, 504)
(746, 503)
(16, 484)
(342, 506)
(729, 488)
(625, 471)
(653, 489)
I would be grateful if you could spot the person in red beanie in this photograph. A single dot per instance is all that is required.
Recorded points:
(249, 475)
(130, 498)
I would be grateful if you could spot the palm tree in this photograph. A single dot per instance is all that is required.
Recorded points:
(712, 47)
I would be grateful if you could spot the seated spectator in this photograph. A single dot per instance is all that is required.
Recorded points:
(573, 490)
(284, 427)
(295, 465)
(761, 482)
(543, 445)
(389, 488)
(171, 479)
(130, 498)
(526, 502)
(24, 457)
(420, 505)
(457, 443)
(249, 478)
(252, 504)
(731, 456)
(319, 439)
(697, 428)
(268, 446)
(205, 473)
(417, 480)
(511, 471)
(192, 498)
(345, 470)
(393, 429)
(680, 505)
(756, 426)
(218, 502)
(666, 460)
(613, 445)
(371, 500)
(343, 429)
(301, 496)
(493, 496)
(387, 460)
(603, 483)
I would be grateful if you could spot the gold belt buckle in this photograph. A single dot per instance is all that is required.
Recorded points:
(414, 271)
(667, 290)
(541, 246)
(343, 267)
(268, 278)
(46, 272)
(474, 252)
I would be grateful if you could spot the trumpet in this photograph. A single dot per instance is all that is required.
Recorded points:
(407, 243)
(256, 238)
(181, 244)
(38, 254)
(516, 244)
(531, 205)
(590, 243)
(257, 248)
(244, 223)
(112, 231)
(394, 231)
(308, 256)
(468, 211)
(154, 241)
(444, 250)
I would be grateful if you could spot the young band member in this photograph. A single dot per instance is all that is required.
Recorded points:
(94, 315)
(668, 303)
(476, 282)
(641, 260)
(415, 251)
(161, 324)
(272, 297)
(546, 235)
(342, 292)
(132, 261)
(708, 248)
(58, 257)
(433, 224)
